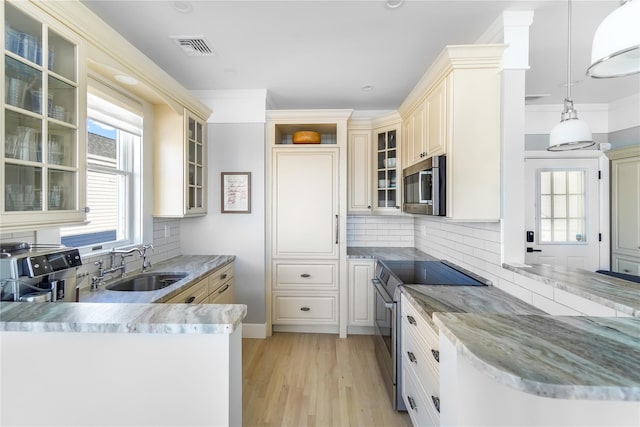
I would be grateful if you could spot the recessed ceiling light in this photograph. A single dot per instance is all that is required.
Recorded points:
(125, 79)
(394, 4)
(367, 88)
(182, 6)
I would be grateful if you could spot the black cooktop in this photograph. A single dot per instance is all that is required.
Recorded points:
(429, 273)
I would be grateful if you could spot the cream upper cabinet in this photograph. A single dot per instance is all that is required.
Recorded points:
(43, 168)
(388, 175)
(180, 155)
(625, 210)
(359, 171)
(455, 110)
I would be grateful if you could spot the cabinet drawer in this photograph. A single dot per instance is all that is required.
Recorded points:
(302, 309)
(299, 276)
(421, 407)
(195, 294)
(418, 324)
(419, 359)
(217, 278)
(224, 294)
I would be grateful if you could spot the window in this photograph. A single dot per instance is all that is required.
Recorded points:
(562, 206)
(114, 131)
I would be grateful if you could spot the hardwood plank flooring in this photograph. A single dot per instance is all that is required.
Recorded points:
(292, 379)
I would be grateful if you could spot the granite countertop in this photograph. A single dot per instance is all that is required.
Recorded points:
(121, 318)
(621, 295)
(197, 267)
(388, 253)
(430, 299)
(96, 311)
(570, 357)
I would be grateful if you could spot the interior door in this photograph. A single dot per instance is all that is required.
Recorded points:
(562, 209)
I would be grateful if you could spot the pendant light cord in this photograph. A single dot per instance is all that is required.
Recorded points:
(569, 51)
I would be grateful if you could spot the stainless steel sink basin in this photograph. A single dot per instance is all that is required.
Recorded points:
(146, 282)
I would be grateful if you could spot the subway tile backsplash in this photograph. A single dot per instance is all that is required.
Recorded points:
(390, 231)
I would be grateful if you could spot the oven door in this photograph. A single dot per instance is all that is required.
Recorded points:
(385, 322)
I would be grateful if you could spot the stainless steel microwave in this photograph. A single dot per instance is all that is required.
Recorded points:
(425, 187)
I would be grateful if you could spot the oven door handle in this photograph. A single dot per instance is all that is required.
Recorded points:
(388, 302)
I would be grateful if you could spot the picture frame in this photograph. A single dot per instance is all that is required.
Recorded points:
(235, 192)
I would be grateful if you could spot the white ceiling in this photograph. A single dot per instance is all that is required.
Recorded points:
(319, 54)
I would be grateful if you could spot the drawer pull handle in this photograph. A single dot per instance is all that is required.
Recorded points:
(305, 309)
(412, 357)
(412, 403)
(436, 355)
(190, 300)
(305, 275)
(224, 289)
(412, 320)
(224, 276)
(436, 403)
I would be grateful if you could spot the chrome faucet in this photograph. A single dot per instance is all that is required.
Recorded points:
(146, 264)
(102, 272)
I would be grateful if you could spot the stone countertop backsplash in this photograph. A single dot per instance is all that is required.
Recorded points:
(196, 267)
(568, 357)
(621, 295)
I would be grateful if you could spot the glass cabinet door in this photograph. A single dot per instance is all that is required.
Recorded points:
(40, 154)
(196, 162)
(386, 159)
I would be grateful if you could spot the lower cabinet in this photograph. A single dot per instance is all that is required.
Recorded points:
(420, 367)
(216, 288)
(305, 294)
(361, 297)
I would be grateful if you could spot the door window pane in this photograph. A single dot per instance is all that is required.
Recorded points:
(561, 206)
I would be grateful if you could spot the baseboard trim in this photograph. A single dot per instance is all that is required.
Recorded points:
(254, 330)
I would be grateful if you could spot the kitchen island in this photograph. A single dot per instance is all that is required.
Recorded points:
(121, 364)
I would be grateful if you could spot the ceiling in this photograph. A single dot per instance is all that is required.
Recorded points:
(320, 54)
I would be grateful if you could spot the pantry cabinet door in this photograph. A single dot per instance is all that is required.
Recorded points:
(305, 203)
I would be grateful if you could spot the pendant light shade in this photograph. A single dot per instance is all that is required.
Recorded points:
(616, 44)
(571, 133)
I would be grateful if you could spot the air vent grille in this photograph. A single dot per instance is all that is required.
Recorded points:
(194, 46)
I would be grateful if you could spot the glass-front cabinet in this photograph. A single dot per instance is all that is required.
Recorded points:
(43, 172)
(386, 158)
(196, 162)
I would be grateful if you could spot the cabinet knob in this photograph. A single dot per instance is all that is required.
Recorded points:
(436, 355)
(223, 289)
(224, 276)
(190, 300)
(305, 309)
(436, 402)
(412, 357)
(412, 320)
(412, 403)
(305, 275)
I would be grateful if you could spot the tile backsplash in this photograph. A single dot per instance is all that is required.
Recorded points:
(389, 231)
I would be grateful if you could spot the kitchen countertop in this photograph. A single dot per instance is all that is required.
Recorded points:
(133, 311)
(197, 267)
(388, 253)
(121, 318)
(570, 357)
(621, 295)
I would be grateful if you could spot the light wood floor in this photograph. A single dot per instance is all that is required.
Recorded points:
(292, 379)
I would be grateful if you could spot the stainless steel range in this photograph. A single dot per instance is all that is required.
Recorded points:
(389, 276)
(35, 273)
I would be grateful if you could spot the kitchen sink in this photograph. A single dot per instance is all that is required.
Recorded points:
(146, 282)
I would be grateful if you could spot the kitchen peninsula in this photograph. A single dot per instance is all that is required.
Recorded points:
(121, 364)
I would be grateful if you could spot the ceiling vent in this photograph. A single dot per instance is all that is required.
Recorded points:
(194, 46)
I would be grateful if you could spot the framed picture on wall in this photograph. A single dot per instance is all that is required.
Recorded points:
(236, 192)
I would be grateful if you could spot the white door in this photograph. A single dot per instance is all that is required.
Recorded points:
(305, 204)
(562, 208)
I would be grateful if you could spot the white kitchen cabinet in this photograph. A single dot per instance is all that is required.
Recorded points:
(359, 171)
(43, 168)
(625, 210)
(306, 217)
(180, 156)
(387, 167)
(455, 110)
(361, 297)
(420, 367)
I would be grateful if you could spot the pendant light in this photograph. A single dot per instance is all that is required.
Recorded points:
(571, 133)
(616, 44)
